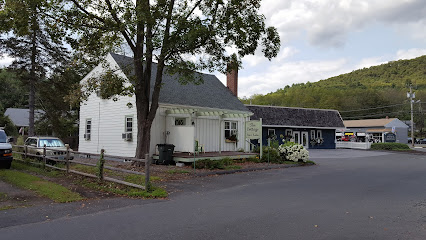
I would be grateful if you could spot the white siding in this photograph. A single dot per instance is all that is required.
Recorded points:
(108, 124)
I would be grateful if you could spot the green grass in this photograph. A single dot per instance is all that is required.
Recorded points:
(232, 167)
(42, 187)
(7, 207)
(92, 170)
(3, 196)
(46, 172)
(175, 171)
(311, 162)
(139, 179)
(123, 190)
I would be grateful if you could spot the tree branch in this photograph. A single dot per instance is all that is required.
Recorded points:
(120, 24)
(86, 12)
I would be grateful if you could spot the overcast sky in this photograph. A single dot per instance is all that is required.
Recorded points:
(325, 38)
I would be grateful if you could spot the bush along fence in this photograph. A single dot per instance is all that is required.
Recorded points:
(48, 157)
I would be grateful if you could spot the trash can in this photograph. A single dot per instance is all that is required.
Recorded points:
(165, 153)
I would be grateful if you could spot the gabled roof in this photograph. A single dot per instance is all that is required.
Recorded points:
(210, 94)
(369, 122)
(20, 116)
(296, 117)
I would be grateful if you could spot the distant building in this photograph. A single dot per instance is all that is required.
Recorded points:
(376, 129)
(20, 117)
(312, 128)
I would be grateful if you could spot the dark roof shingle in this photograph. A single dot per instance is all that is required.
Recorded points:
(300, 117)
(210, 94)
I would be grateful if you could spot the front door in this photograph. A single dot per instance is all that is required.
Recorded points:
(305, 142)
(296, 137)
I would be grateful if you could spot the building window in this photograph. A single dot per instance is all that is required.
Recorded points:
(180, 121)
(319, 134)
(313, 134)
(271, 133)
(289, 133)
(129, 124)
(88, 130)
(231, 130)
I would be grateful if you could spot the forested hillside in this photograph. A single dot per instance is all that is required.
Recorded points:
(379, 90)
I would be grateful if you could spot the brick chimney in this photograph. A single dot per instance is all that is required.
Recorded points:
(232, 79)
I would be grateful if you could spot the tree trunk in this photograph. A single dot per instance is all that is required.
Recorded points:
(31, 103)
(33, 79)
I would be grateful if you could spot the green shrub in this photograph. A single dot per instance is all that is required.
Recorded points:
(272, 154)
(213, 164)
(254, 159)
(389, 146)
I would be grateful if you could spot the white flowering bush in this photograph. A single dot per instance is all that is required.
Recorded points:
(293, 152)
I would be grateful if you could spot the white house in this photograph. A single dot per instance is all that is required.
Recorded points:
(208, 113)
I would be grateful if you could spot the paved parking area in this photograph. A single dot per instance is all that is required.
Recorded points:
(344, 153)
(350, 194)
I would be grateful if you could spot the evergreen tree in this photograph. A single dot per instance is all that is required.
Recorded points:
(28, 35)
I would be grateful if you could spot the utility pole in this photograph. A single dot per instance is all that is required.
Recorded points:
(411, 95)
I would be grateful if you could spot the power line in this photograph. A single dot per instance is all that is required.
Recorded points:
(379, 114)
(358, 110)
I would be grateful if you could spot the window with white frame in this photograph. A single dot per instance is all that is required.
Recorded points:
(231, 130)
(271, 133)
(319, 134)
(180, 121)
(313, 134)
(289, 133)
(88, 130)
(129, 124)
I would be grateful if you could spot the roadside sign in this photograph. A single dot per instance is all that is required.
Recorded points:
(253, 129)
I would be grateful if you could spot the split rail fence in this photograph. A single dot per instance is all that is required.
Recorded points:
(48, 158)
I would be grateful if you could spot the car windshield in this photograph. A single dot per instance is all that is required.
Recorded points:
(50, 143)
(3, 137)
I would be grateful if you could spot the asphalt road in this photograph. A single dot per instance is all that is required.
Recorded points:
(348, 195)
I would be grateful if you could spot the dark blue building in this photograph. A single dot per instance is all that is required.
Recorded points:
(313, 128)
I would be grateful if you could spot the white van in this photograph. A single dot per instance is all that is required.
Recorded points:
(5, 151)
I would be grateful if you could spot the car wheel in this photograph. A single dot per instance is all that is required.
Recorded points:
(6, 165)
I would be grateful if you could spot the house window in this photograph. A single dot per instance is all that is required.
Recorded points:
(231, 130)
(88, 130)
(180, 121)
(289, 133)
(313, 134)
(271, 133)
(129, 124)
(319, 134)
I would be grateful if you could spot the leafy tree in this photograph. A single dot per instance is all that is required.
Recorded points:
(182, 36)
(12, 92)
(35, 42)
(60, 118)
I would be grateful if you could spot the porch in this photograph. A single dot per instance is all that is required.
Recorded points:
(186, 157)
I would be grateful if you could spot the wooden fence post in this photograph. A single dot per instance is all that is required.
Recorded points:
(67, 158)
(25, 151)
(147, 164)
(44, 156)
(101, 165)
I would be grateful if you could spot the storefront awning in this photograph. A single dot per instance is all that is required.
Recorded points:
(379, 130)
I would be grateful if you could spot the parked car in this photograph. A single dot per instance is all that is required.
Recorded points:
(5, 150)
(54, 147)
(422, 141)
